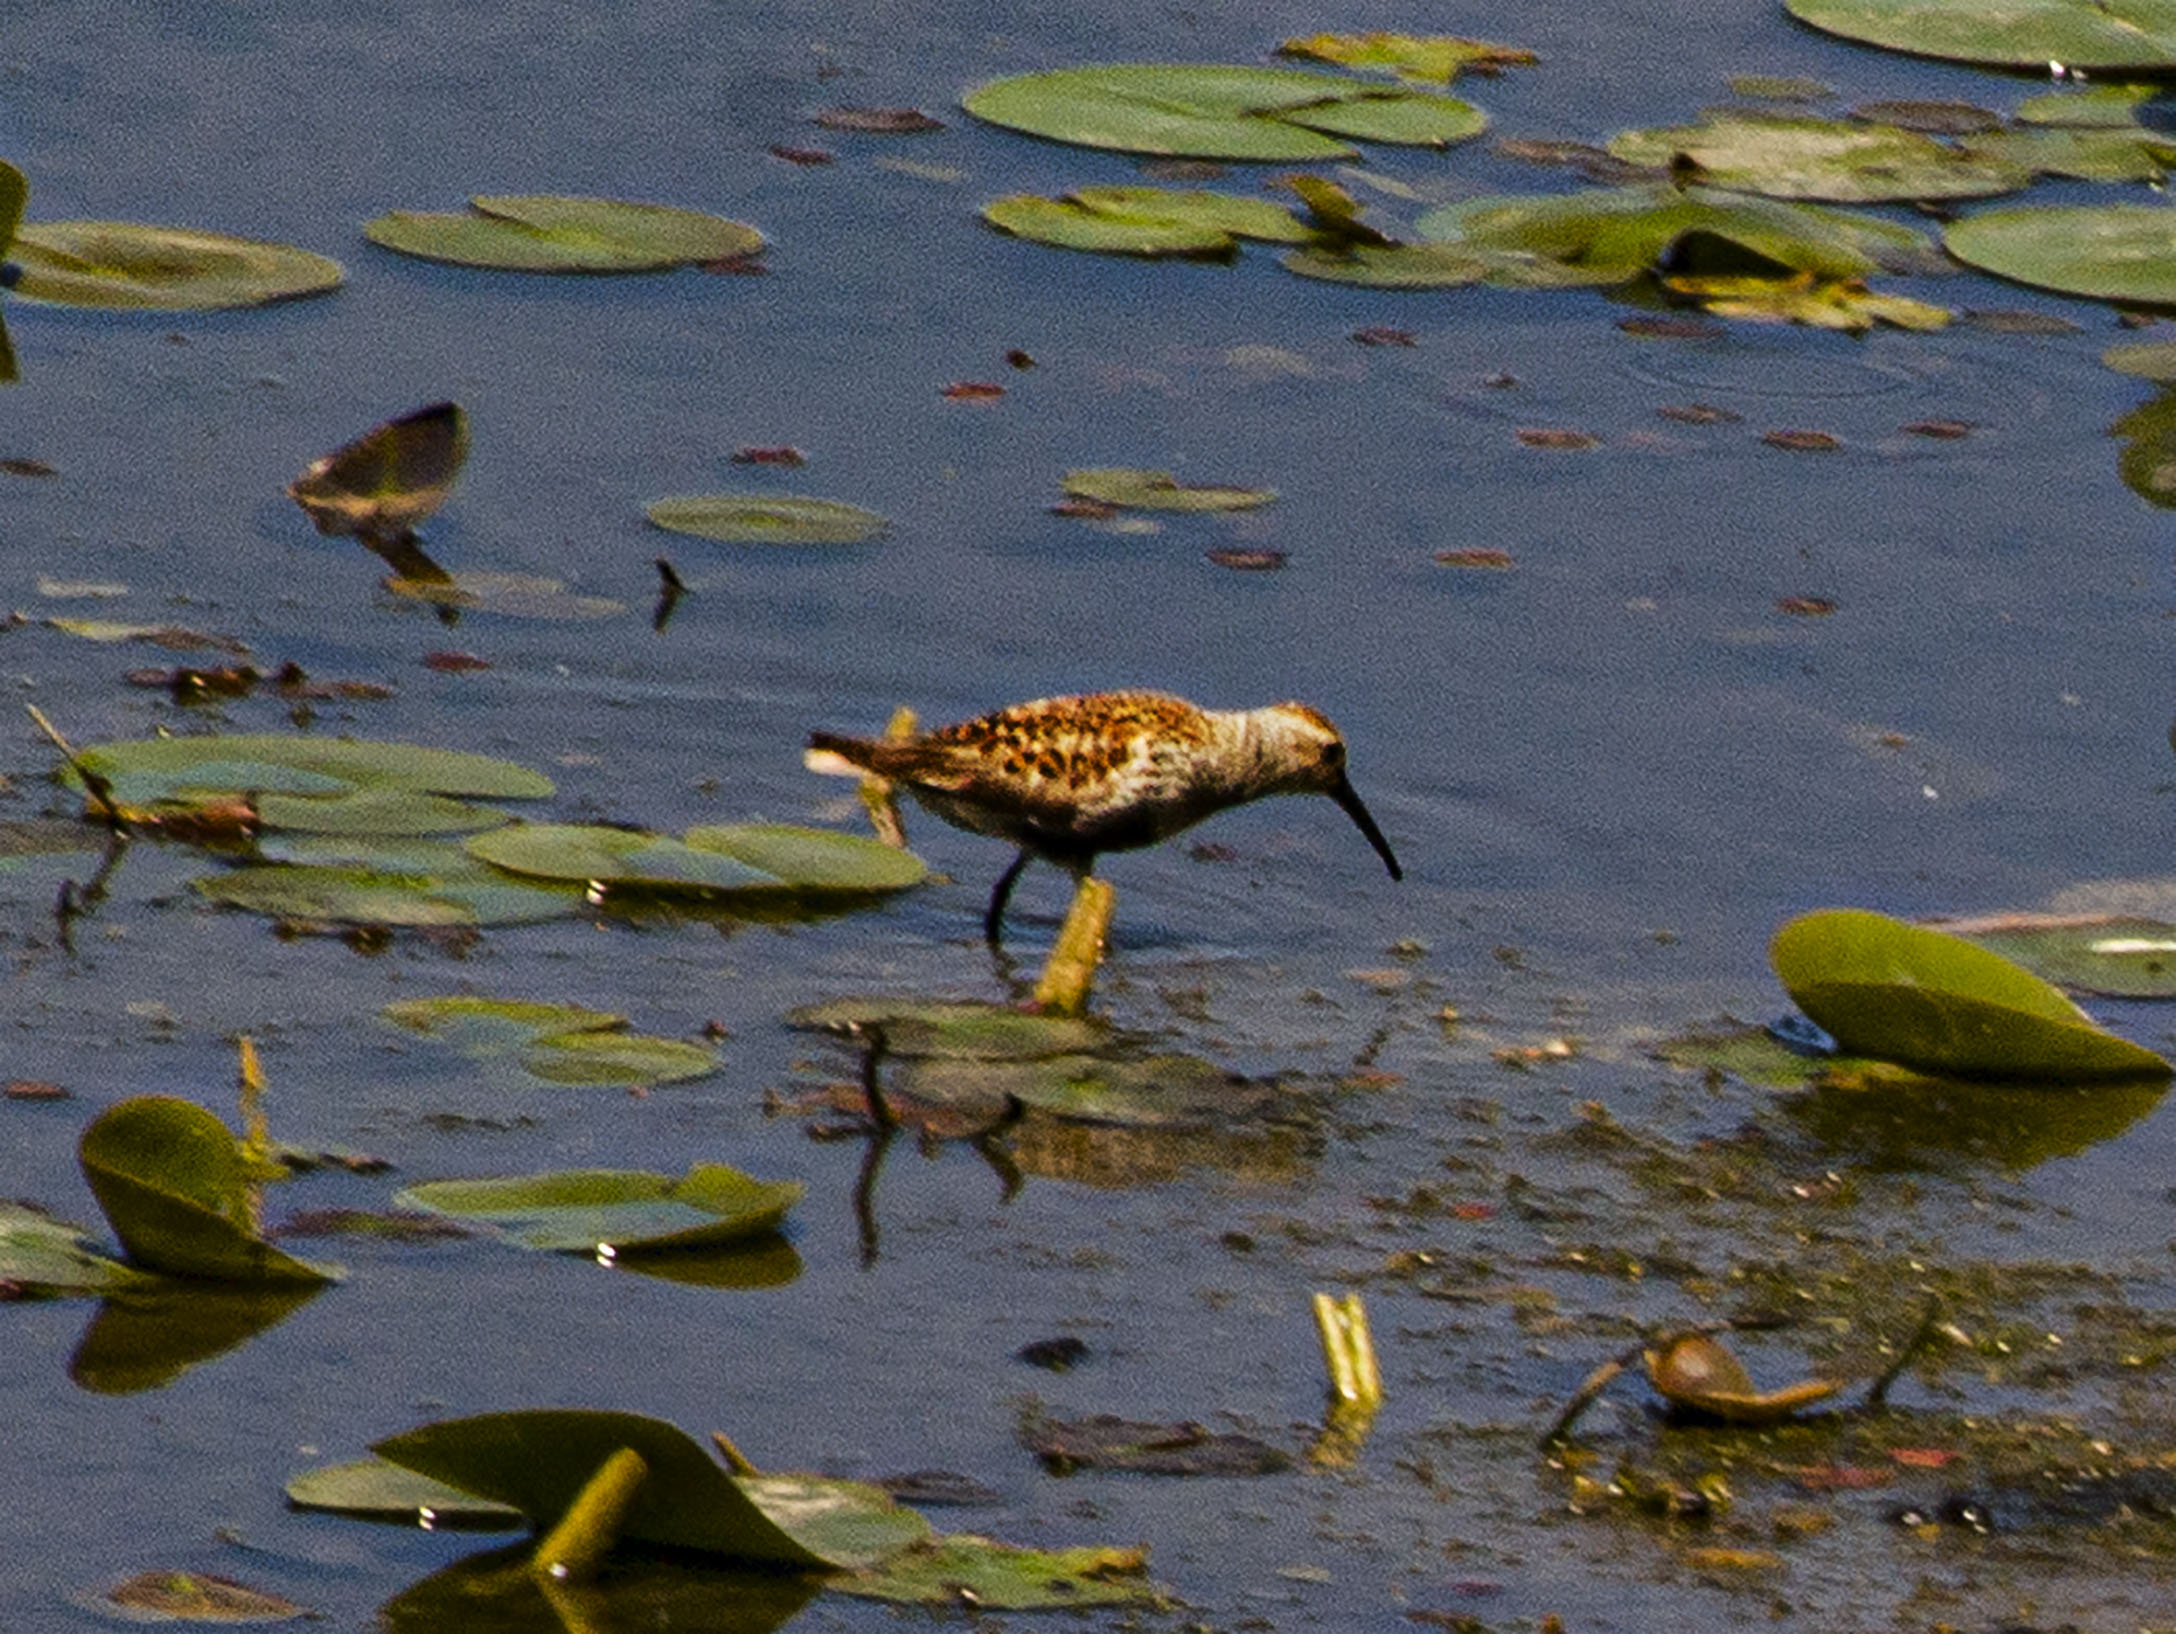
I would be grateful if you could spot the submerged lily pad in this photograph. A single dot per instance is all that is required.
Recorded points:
(541, 232)
(40, 1255)
(1611, 234)
(952, 1029)
(1789, 156)
(387, 480)
(1936, 1003)
(582, 1211)
(1140, 490)
(2017, 33)
(813, 859)
(2110, 252)
(944, 1572)
(515, 595)
(177, 1190)
(127, 264)
(195, 1597)
(1218, 112)
(539, 1461)
(1398, 266)
(757, 519)
(1146, 221)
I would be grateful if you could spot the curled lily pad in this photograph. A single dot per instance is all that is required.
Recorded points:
(539, 1461)
(589, 854)
(176, 1188)
(755, 519)
(2110, 252)
(584, 1210)
(1798, 157)
(126, 264)
(387, 480)
(375, 1489)
(1218, 112)
(542, 232)
(2018, 33)
(1698, 1371)
(1140, 490)
(1146, 221)
(813, 859)
(1938, 1004)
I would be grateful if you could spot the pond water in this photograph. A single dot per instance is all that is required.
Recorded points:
(1611, 773)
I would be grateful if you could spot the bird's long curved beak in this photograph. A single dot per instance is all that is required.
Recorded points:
(1348, 798)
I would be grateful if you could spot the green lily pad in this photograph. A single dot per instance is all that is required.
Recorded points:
(176, 1189)
(40, 1255)
(813, 859)
(2088, 155)
(952, 1029)
(1611, 234)
(376, 1490)
(582, 1211)
(616, 1058)
(1139, 490)
(556, 233)
(539, 1461)
(1796, 156)
(1218, 112)
(961, 1568)
(592, 855)
(2153, 360)
(561, 1043)
(2018, 33)
(2119, 957)
(2147, 464)
(1145, 221)
(1938, 1004)
(150, 770)
(387, 480)
(1426, 57)
(1395, 266)
(757, 519)
(477, 1025)
(458, 893)
(126, 264)
(2110, 252)
(393, 813)
(2102, 107)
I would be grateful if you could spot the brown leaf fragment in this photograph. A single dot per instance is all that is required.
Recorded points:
(1805, 606)
(1183, 170)
(1657, 328)
(801, 156)
(1940, 430)
(1104, 1441)
(27, 468)
(973, 391)
(1381, 334)
(1478, 556)
(197, 1597)
(1842, 1477)
(879, 121)
(1557, 437)
(1244, 560)
(1803, 442)
(33, 1089)
(1698, 414)
(1018, 358)
(751, 265)
(454, 663)
(1933, 117)
(783, 454)
(1084, 510)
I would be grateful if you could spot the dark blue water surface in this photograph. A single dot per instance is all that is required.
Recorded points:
(1611, 771)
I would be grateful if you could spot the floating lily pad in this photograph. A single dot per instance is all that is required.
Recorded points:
(387, 480)
(381, 811)
(1145, 221)
(2153, 360)
(459, 893)
(146, 771)
(1398, 266)
(1139, 490)
(478, 1025)
(2148, 461)
(756, 519)
(2105, 107)
(583, 1210)
(1135, 1092)
(1938, 1004)
(539, 1461)
(954, 1030)
(616, 1058)
(1218, 112)
(194, 1597)
(556, 233)
(2110, 252)
(2119, 956)
(813, 859)
(2018, 33)
(1800, 157)
(1108, 1442)
(127, 264)
(515, 595)
(40, 1255)
(944, 1572)
(589, 854)
(177, 1191)
(1426, 57)
(1610, 234)
(377, 1490)
(2088, 155)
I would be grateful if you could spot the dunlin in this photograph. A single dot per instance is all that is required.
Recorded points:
(1066, 779)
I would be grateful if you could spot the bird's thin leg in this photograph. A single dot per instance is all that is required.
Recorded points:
(993, 918)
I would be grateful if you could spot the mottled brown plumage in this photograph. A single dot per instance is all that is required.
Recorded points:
(1066, 779)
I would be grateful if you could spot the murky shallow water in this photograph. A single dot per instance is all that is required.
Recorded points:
(1611, 773)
